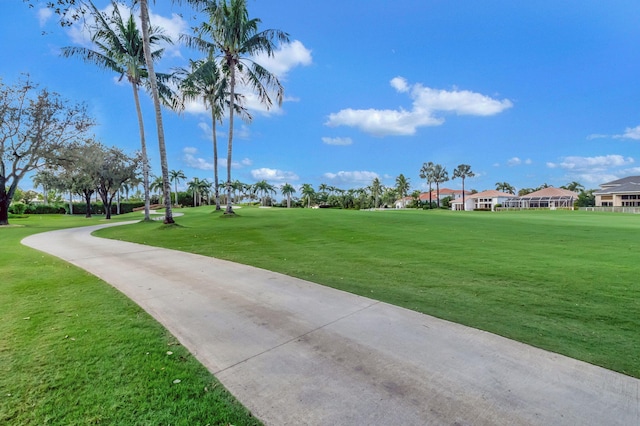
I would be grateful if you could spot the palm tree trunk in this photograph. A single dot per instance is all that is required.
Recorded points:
(166, 187)
(143, 149)
(232, 87)
(215, 158)
(464, 206)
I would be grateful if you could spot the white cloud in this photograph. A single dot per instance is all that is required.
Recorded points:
(630, 133)
(351, 178)
(337, 141)
(592, 171)
(43, 15)
(594, 164)
(514, 161)
(427, 102)
(273, 175)
(192, 160)
(285, 58)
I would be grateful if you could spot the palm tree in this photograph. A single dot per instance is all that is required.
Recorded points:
(505, 187)
(263, 188)
(236, 39)
(463, 171)
(402, 186)
(205, 80)
(194, 186)
(440, 175)
(153, 82)
(119, 47)
(573, 186)
(287, 190)
(426, 172)
(156, 186)
(176, 176)
(376, 191)
(307, 191)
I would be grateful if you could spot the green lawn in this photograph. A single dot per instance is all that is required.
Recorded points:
(74, 351)
(563, 281)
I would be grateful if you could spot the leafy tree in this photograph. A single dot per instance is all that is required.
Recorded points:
(586, 198)
(415, 195)
(35, 127)
(46, 179)
(524, 191)
(505, 187)
(198, 188)
(463, 171)
(426, 172)
(439, 175)
(176, 176)
(389, 196)
(402, 187)
(236, 40)
(119, 48)
(287, 190)
(114, 169)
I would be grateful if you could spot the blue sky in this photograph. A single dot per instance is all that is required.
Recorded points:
(524, 92)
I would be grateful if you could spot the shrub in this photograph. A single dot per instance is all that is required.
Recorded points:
(18, 208)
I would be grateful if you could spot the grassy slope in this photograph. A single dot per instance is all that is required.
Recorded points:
(564, 281)
(73, 350)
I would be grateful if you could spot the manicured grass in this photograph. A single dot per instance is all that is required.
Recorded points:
(75, 351)
(564, 281)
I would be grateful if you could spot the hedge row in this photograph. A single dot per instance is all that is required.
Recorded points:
(78, 208)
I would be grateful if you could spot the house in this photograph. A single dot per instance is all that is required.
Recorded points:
(546, 198)
(623, 192)
(485, 200)
(425, 197)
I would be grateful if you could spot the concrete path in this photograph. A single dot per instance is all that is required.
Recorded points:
(296, 353)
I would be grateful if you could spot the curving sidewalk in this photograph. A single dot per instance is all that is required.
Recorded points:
(295, 352)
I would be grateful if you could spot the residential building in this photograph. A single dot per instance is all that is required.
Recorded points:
(623, 192)
(485, 200)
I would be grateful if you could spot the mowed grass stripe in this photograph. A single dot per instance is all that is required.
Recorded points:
(563, 281)
(75, 351)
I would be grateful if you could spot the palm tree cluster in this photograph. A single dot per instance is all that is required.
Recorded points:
(229, 40)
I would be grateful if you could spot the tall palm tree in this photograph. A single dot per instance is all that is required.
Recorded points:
(287, 190)
(440, 175)
(236, 39)
(153, 82)
(307, 191)
(376, 190)
(402, 186)
(176, 176)
(463, 171)
(119, 47)
(205, 80)
(426, 172)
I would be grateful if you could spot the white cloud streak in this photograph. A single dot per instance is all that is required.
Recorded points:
(337, 141)
(273, 175)
(427, 103)
(361, 178)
